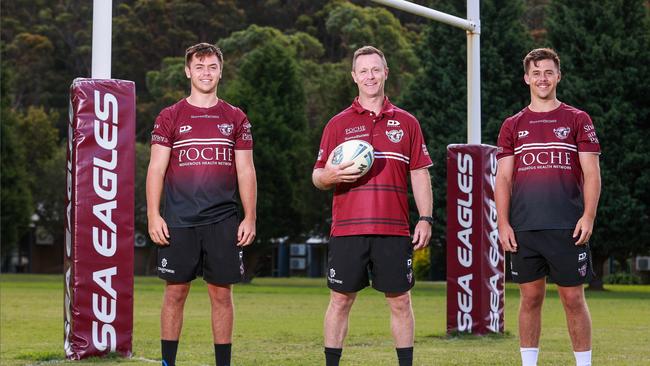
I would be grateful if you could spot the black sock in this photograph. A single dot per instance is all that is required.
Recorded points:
(405, 356)
(168, 349)
(332, 356)
(222, 354)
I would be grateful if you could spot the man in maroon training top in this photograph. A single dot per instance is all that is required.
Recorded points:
(547, 190)
(201, 153)
(370, 226)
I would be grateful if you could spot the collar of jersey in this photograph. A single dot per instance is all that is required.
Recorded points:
(387, 109)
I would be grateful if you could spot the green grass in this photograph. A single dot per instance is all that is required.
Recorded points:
(279, 322)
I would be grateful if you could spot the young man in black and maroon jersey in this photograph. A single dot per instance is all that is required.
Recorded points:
(370, 226)
(547, 190)
(201, 154)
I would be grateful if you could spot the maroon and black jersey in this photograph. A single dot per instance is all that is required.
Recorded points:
(201, 178)
(547, 178)
(376, 204)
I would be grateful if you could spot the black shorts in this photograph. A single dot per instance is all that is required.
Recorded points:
(551, 252)
(386, 260)
(209, 250)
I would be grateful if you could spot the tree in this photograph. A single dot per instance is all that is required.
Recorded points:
(438, 96)
(605, 47)
(15, 197)
(269, 91)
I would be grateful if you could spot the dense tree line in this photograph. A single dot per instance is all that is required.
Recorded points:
(287, 65)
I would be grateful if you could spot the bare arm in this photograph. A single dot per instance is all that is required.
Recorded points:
(590, 193)
(158, 163)
(423, 195)
(502, 194)
(247, 183)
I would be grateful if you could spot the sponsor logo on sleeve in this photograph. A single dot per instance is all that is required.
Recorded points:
(320, 155)
(424, 149)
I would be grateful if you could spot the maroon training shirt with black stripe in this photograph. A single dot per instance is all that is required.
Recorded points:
(201, 179)
(547, 177)
(376, 204)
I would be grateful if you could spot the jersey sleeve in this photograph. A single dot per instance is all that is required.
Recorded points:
(419, 155)
(505, 142)
(327, 144)
(163, 130)
(586, 138)
(244, 134)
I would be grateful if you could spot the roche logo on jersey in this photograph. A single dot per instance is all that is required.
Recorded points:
(226, 128)
(395, 136)
(562, 132)
(392, 122)
(355, 129)
(184, 129)
(522, 134)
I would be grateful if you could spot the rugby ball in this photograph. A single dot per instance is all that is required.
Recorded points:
(359, 152)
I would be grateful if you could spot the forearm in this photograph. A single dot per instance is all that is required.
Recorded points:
(502, 194)
(591, 194)
(422, 193)
(247, 182)
(320, 181)
(154, 189)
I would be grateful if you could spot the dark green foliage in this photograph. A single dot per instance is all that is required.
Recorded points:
(438, 96)
(15, 196)
(605, 47)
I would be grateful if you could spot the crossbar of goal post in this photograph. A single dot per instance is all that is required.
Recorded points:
(475, 261)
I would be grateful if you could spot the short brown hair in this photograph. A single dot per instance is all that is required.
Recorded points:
(368, 50)
(539, 54)
(201, 50)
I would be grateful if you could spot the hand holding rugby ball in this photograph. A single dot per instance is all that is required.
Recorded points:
(359, 152)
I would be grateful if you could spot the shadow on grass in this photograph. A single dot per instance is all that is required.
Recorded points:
(470, 337)
(53, 358)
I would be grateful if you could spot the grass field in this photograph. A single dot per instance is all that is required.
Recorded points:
(279, 322)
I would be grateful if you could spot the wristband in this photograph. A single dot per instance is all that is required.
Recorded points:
(428, 219)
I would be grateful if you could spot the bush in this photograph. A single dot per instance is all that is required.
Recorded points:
(422, 263)
(622, 278)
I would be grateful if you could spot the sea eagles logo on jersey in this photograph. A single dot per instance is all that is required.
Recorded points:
(392, 122)
(395, 135)
(562, 132)
(226, 128)
(338, 156)
(184, 129)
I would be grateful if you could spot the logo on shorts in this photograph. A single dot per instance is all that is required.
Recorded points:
(582, 257)
(583, 270)
(331, 278)
(164, 268)
(226, 128)
(562, 132)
